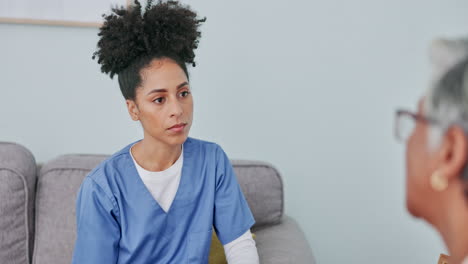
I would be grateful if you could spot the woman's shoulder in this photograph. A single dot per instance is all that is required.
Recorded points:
(104, 173)
(208, 147)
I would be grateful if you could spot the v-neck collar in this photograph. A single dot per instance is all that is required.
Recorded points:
(171, 171)
(182, 196)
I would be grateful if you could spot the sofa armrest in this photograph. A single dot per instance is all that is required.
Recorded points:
(283, 243)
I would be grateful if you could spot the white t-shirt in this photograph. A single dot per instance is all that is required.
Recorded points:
(162, 185)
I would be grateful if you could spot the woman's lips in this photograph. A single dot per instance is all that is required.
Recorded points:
(178, 127)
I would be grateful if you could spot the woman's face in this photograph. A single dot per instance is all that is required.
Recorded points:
(163, 103)
(447, 160)
(420, 161)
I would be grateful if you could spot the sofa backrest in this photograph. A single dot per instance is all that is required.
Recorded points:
(60, 179)
(263, 188)
(17, 187)
(57, 186)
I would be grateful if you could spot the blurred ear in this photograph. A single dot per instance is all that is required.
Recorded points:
(133, 109)
(453, 153)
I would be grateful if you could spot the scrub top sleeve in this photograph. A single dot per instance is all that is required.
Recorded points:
(98, 231)
(232, 215)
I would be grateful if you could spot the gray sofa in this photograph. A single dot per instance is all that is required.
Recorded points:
(37, 208)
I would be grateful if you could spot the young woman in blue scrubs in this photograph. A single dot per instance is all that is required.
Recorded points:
(158, 199)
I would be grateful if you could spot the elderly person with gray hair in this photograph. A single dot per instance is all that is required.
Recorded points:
(437, 149)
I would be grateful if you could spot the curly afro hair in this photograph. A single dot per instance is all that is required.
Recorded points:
(131, 38)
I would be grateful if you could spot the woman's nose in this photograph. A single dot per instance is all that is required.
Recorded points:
(176, 109)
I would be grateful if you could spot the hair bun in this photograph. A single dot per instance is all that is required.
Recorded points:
(164, 28)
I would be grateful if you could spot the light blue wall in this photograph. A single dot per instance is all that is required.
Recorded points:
(310, 86)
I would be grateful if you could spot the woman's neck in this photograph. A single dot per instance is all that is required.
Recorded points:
(452, 224)
(154, 155)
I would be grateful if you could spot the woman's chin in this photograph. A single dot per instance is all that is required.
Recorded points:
(178, 139)
(411, 208)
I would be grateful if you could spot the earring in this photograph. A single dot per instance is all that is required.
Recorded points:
(438, 181)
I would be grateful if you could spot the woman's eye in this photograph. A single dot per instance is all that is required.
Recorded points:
(159, 100)
(184, 93)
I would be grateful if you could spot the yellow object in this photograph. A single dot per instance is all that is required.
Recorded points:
(217, 255)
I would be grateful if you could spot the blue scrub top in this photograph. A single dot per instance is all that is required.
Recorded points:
(119, 221)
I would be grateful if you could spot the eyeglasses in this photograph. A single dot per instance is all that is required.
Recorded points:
(405, 122)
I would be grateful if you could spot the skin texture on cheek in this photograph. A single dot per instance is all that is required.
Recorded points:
(418, 171)
(411, 172)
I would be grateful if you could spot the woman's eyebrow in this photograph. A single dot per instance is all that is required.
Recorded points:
(165, 90)
(157, 91)
(182, 85)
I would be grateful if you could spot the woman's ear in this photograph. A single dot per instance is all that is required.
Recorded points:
(132, 109)
(454, 153)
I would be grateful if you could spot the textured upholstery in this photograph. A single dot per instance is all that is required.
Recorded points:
(263, 189)
(17, 185)
(57, 187)
(283, 243)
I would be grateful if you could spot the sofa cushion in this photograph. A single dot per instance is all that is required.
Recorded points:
(17, 182)
(284, 243)
(60, 179)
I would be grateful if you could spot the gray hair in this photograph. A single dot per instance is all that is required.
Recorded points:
(447, 99)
